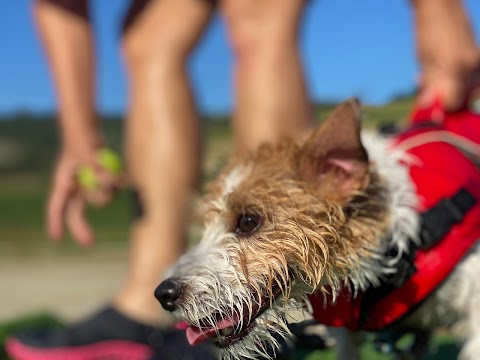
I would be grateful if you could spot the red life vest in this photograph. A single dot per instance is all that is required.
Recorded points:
(444, 169)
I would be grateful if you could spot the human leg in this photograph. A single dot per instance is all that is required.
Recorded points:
(271, 96)
(162, 155)
(65, 29)
(447, 52)
(162, 142)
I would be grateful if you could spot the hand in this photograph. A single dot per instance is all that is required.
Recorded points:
(68, 200)
(452, 86)
(447, 52)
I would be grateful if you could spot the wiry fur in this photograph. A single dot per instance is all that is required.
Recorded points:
(308, 241)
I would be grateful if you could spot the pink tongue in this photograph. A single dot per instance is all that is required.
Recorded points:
(196, 335)
(182, 325)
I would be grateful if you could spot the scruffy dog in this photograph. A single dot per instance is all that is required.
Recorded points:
(340, 225)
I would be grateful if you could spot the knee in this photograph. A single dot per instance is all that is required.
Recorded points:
(257, 28)
(161, 47)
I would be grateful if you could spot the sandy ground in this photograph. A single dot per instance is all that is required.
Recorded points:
(67, 286)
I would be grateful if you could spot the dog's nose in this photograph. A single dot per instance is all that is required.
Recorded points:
(168, 292)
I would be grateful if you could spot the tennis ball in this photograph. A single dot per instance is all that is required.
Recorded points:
(86, 178)
(108, 160)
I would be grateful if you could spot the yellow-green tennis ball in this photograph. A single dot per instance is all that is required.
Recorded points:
(110, 161)
(86, 178)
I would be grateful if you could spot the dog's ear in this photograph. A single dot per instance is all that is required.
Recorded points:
(333, 158)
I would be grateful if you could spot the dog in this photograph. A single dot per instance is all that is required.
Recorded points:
(364, 231)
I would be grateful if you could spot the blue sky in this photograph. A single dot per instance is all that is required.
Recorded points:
(349, 47)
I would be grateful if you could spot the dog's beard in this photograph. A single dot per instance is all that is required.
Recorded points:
(244, 323)
(267, 333)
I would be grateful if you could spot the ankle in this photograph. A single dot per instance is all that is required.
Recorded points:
(141, 309)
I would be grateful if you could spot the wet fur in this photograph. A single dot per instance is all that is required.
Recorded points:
(310, 239)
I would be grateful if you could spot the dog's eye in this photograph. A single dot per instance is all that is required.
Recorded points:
(247, 224)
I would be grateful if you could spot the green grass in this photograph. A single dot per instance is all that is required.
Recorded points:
(443, 348)
(22, 199)
(25, 323)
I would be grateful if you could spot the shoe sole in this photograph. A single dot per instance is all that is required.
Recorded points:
(112, 350)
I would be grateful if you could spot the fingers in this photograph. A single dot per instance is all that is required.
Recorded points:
(452, 95)
(77, 222)
(99, 198)
(71, 193)
(57, 203)
(453, 92)
(102, 177)
(106, 187)
(67, 205)
(454, 86)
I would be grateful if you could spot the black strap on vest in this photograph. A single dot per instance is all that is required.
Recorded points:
(437, 221)
(435, 224)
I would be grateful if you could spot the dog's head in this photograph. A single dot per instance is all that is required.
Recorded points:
(287, 221)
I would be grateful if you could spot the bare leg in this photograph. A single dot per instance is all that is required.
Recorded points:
(271, 96)
(162, 141)
(446, 50)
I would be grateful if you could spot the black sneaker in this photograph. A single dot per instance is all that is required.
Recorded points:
(106, 335)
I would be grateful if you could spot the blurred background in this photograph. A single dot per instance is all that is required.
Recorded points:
(350, 48)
